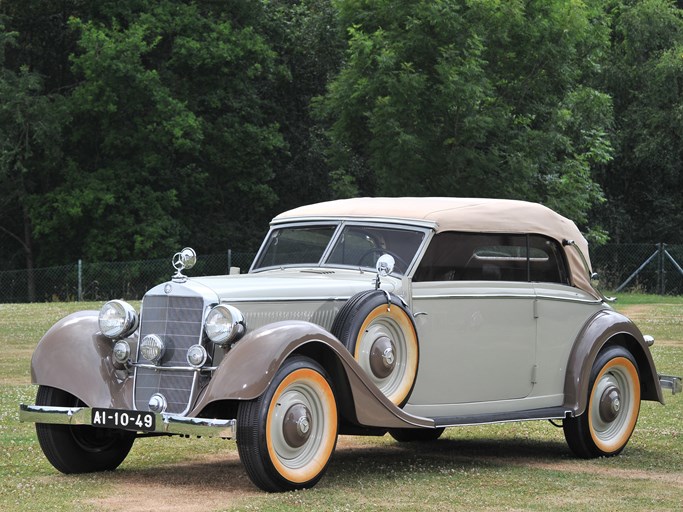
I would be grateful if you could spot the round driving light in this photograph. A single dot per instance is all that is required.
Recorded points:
(117, 319)
(121, 352)
(152, 348)
(225, 324)
(196, 356)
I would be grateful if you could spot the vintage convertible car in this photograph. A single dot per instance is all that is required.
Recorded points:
(359, 316)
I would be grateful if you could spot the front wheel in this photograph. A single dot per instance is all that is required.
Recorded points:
(286, 437)
(79, 449)
(613, 406)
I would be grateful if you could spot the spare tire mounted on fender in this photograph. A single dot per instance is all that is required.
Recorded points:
(380, 333)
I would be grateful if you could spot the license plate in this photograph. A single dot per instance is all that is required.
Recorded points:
(117, 418)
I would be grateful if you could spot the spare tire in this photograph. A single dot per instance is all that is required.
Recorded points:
(380, 333)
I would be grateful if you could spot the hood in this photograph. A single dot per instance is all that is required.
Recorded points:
(295, 284)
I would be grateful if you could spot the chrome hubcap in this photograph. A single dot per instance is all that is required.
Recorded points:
(610, 404)
(382, 357)
(296, 427)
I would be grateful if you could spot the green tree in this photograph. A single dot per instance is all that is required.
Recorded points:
(645, 77)
(460, 98)
(171, 134)
(309, 43)
(30, 134)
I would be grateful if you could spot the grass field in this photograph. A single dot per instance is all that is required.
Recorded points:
(516, 466)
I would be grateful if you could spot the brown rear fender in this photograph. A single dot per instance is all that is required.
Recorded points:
(75, 357)
(248, 368)
(607, 328)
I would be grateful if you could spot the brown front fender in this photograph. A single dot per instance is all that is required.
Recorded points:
(75, 357)
(607, 327)
(248, 368)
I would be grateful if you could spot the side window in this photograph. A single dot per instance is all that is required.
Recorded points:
(454, 256)
(546, 261)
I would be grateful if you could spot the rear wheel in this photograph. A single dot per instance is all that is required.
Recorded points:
(613, 406)
(79, 449)
(286, 437)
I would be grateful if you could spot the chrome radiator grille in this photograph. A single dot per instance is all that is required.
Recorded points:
(178, 322)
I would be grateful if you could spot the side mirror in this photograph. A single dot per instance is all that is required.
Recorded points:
(385, 266)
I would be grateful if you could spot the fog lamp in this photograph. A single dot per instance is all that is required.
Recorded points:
(152, 348)
(196, 356)
(121, 352)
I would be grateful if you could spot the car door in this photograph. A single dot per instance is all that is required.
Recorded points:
(474, 310)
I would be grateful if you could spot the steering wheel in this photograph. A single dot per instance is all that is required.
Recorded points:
(377, 250)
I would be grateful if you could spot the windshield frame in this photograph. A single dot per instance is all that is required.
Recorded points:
(340, 226)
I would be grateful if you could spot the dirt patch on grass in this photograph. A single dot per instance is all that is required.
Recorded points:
(208, 482)
(219, 481)
(656, 318)
(673, 479)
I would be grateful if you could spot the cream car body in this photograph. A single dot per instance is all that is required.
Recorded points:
(359, 316)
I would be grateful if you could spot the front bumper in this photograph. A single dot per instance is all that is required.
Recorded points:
(165, 423)
(671, 382)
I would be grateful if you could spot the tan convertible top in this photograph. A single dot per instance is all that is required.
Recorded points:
(461, 214)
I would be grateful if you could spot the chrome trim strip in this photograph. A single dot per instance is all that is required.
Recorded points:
(569, 299)
(477, 296)
(289, 300)
(350, 219)
(171, 368)
(165, 423)
(505, 296)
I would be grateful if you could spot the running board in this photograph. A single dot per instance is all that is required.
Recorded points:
(548, 413)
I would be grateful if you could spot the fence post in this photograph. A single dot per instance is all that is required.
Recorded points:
(661, 272)
(229, 260)
(80, 280)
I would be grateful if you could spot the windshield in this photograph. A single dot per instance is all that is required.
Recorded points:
(354, 246)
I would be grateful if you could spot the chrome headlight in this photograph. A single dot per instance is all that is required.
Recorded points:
(152, 348)
(225, 324)
(117, 319)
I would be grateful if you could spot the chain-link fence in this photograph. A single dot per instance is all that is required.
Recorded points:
(647, 268)
(108, 280)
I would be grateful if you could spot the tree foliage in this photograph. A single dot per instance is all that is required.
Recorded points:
(30, 133)
(472, 98)
(129, 128)
(644, 184)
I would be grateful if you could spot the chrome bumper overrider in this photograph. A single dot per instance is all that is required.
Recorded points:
(165, 423)
(671, 382)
